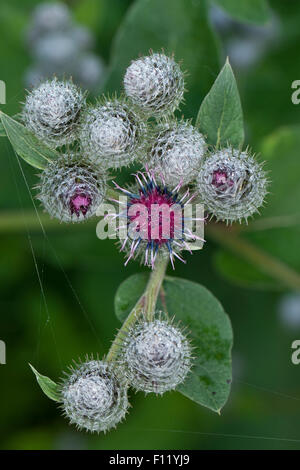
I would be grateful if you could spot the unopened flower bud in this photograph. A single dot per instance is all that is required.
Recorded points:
(176, 152)
(94, 397)
(112, 134)
(51, 111)
(156, 356)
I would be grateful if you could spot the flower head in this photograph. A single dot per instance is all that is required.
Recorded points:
(156, 220)
(112, 133)
(176, 152)
(231, 184)
(155, 84)
(156, 355)
(71, 189)
(94, 397)
(51, 111)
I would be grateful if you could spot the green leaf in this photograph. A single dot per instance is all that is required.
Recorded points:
(254, 11)
(2, 130)
(25, 144)
(210, 331)
(276, 233)
(49, 387)
(220, 116)
(179, 26)
(129, 293)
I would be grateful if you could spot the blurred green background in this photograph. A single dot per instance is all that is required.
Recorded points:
(80, 274)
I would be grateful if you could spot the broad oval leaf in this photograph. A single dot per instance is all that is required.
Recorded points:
(25, 144)
(220, 116)
(129, 293)
(210, 331)
(179, 26)
(49, 387)
(254, 11)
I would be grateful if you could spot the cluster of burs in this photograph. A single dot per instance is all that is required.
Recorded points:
(60, 46)
(140, 126)
(154, 357)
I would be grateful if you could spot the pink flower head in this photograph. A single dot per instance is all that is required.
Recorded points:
(80, 203)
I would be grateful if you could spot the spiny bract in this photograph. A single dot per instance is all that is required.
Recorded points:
(51, 111)
(156, 219)
(112, 133)
(156, 355)
(94, 397)
(155, 83)
(232, 185)
(71, 189)
(176, 152)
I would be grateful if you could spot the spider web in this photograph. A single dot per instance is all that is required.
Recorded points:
(45, 322)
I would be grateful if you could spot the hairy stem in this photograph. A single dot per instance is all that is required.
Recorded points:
(146, 304)
(153, 287)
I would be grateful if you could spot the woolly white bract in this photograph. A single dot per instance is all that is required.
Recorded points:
(94, 397)
(176, 152)
(155, 83)
(112, 134)
(71, 189)
(156, 355)
(51, 111)
(232, 185)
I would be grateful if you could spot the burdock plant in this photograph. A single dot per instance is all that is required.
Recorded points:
(175, 333)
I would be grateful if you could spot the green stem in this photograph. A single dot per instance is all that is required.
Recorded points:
(146, 304)
(15, 221)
